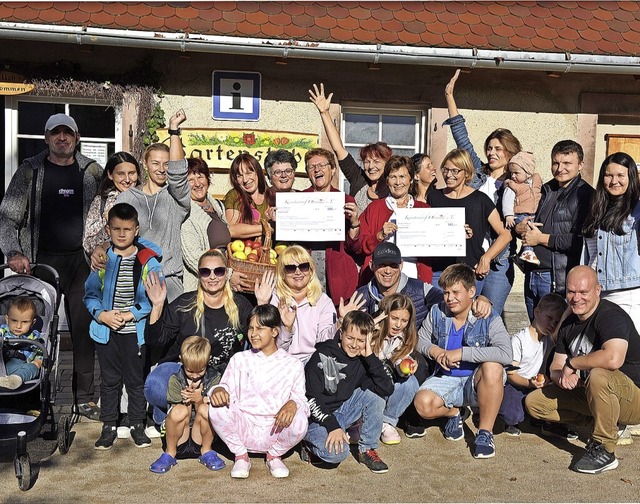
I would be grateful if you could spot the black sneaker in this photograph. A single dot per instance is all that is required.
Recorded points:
(372, 460)
(107, 438)
(596, 460)
(140, 439)
(512, 430)
(558, 430)
(88, 410)
(415, 431)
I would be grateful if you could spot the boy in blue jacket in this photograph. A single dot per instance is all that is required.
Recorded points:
(118, 303)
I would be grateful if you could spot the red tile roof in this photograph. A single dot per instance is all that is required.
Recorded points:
(578, 27)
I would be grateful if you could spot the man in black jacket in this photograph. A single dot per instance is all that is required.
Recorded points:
(556, 232)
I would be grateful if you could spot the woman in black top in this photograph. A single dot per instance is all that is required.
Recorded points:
(480, 216)
(213, 311)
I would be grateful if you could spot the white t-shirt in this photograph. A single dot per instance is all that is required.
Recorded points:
(528, 352)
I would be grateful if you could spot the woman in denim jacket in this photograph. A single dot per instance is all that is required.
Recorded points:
(611, 233)
(500, 146)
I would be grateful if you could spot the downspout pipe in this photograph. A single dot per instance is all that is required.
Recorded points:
(291, 49)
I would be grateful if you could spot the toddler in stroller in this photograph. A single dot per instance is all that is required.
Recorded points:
(21, 363)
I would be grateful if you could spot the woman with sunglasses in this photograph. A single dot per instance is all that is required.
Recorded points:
(481, 216)
(308, 315)
(378, 221)
(213, 311)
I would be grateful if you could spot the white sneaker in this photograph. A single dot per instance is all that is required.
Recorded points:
(624, 437)
(277, 468)
(151, 432)
(124, 432)
(241, 469)
(389, 434)
(10, 382)
(634, 430)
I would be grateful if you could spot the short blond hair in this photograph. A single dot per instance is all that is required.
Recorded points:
(461, 159)
(195, 352)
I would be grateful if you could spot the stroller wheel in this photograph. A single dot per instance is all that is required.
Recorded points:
(23, 471)
(64, 434)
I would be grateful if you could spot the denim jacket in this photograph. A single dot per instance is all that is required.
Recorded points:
(484, 340)
(618, 261)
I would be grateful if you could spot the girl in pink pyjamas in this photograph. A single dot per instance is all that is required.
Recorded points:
(260, 403)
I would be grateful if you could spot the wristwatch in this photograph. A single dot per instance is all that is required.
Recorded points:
(568, 363)
(174, 131)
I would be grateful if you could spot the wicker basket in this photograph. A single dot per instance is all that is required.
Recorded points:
(252, 269)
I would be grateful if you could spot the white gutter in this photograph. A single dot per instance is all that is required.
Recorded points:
(377, 54)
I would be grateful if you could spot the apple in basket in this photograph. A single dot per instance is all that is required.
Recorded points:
(237, 246)
(279, 248)
(240, 255)
(273, 255)
(253, 257)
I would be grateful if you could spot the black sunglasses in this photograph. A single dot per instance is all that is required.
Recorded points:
(220, 271)
(291, 268)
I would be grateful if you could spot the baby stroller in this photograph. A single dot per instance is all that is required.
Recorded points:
(25, 410)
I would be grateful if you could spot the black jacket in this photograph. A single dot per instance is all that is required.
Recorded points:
(567, 217)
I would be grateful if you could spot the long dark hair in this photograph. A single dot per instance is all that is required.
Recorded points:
(250, 163)
(608, 212)
(106, 184)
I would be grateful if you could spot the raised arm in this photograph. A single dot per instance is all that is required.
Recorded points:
(323, 103)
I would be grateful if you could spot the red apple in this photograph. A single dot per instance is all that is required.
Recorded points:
(253, 257)
(406, 366)
(248, 243)
(540, 378)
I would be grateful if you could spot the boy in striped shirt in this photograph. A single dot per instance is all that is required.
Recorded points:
(118, 303)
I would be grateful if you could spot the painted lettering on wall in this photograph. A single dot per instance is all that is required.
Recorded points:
(219, 147)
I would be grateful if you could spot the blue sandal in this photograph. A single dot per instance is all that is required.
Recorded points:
(163, 464)
(211, 461)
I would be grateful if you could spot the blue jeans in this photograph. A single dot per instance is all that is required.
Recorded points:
(536, 285)
(498, 283)
(26, 371)
(512, 406)
(400, 400)
(362, 403)
(155, 389)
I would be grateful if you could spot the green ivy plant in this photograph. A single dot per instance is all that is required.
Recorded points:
(154, 123)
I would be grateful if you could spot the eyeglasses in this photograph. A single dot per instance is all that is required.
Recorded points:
(318, 166)
(453, 171)
(291, 268)
(220, 271)
(279, 173)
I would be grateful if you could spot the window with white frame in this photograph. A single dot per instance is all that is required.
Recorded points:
(25, 118)
(403, 130)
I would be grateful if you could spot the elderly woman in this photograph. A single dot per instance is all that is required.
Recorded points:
(249, 199)
(481, 217)
(281, 168)
(378, 220)
(364, 185)
(335, 267)
(213, 311)
(308, 315)
(121, 173)
(206, 227)
(499, 147)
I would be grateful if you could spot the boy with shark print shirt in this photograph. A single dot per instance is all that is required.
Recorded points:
(346, 382)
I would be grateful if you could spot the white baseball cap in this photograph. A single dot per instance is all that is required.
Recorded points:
(60, 120)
